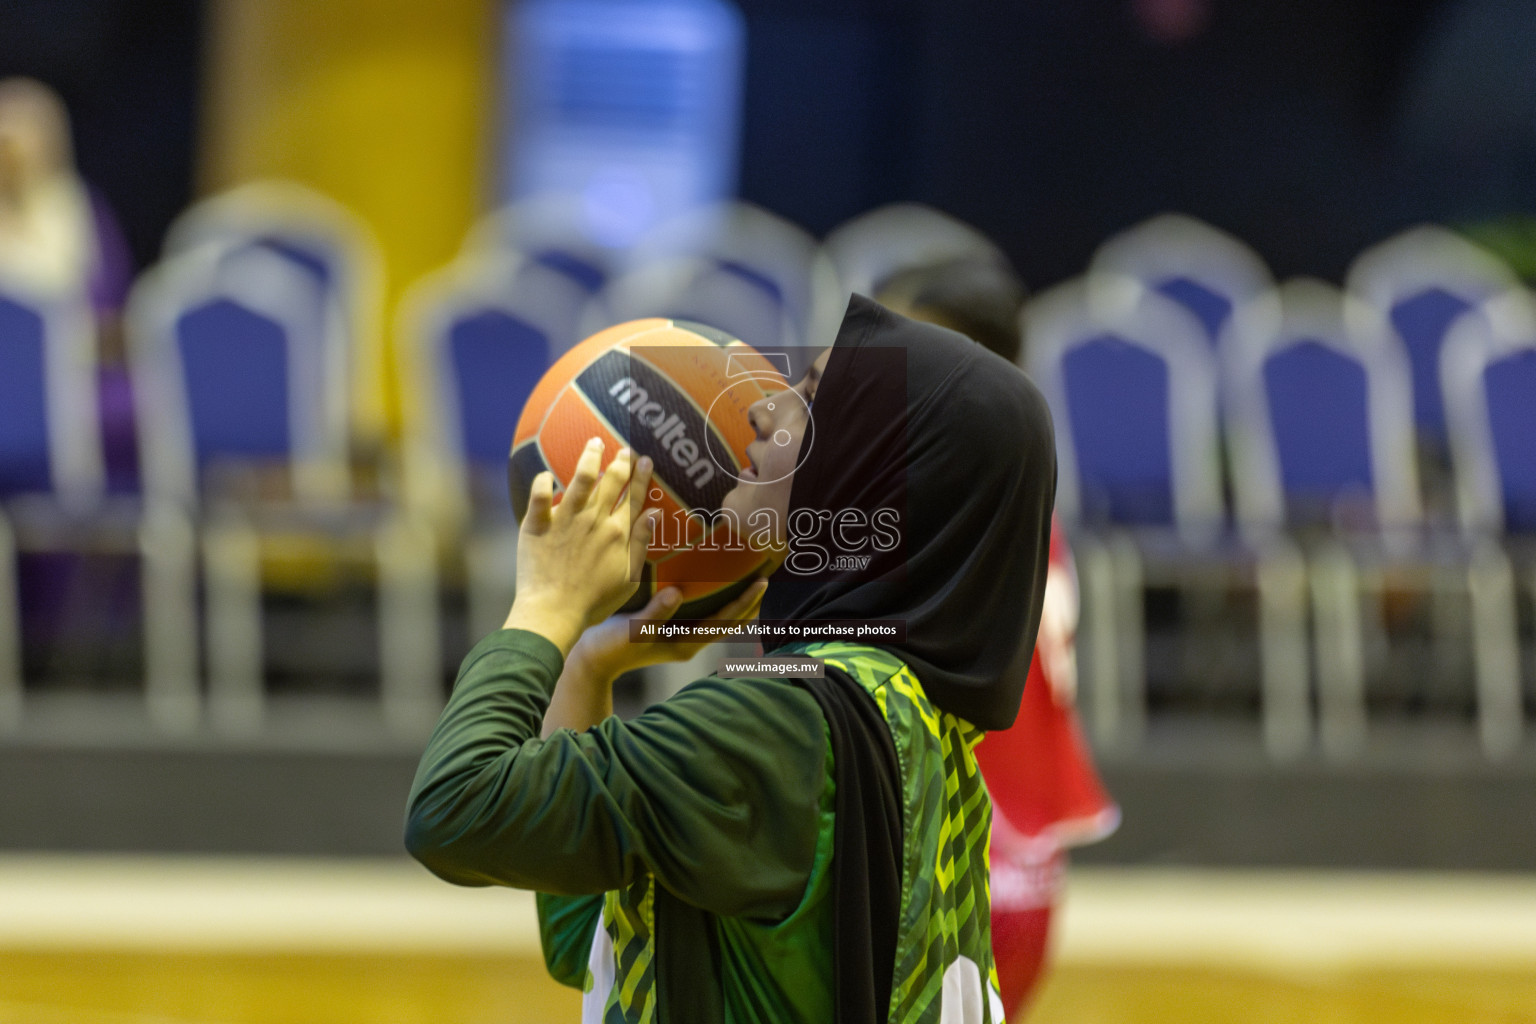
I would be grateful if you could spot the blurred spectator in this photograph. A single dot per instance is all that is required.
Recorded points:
(54, 230)
(1046, 793)
(58, 233)
(60, 236)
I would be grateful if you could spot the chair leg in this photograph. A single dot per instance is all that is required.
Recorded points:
(490, 562)
(1340, 661)
(232, 573)
(1281, 580)
(10, 633)
(410, 641)
(1495, 637)
(1130, 617)
(1096, 576)
(168, 578)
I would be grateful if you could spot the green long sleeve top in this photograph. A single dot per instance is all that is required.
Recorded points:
(722, 795)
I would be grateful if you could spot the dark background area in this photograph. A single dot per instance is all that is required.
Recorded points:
(130, 72)
(1299, 125)
(1054, 124)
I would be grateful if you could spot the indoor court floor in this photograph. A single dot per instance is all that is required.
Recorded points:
(93, 940)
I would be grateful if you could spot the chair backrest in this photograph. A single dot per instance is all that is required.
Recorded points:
(49, 435)
(555, 230)
(1318, 417)
(477, 336)
(228, 368)
(1423, 280)
(876, 245)
(324, 241)
(701, 291)
(1488, 371)
(1131, 380)
(766, 254)
(1204, 269)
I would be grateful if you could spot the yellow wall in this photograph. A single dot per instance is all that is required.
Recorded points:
(385, 105)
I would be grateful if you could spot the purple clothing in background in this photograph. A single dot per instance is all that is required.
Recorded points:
(119, 444)
(111, 277)
(76, 611)
(112, 273)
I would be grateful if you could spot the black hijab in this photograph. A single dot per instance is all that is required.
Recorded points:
(918, 419)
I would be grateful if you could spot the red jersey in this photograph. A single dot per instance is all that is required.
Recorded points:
(1046, 793)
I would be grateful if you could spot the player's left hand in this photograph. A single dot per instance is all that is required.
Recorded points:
(609, 652)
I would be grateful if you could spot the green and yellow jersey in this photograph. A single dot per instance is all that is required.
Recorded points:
(683, 858)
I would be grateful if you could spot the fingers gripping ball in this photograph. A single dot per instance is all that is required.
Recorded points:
(678, 392)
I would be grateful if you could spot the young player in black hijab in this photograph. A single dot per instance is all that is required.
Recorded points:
(765, 849)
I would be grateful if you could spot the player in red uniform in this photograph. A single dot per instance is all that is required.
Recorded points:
(1046, 795)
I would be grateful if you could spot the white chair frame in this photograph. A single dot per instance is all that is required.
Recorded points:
(1312, 310)
(436, 470)
(875, 245)
(1504, 325)
(767, 243)
(76, 466)
(177, 520)
(1112, 569)
(1173, 245)
(287, 209)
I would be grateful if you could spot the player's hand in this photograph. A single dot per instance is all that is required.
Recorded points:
(608, 651)
(578, 561)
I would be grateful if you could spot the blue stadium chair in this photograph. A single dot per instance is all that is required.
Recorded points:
(1319, 425)
(749, 257)
(233, 369)
(50, 448)
(478, 335)
(1133, 385)
(328, 245)
(1205, 270)
(49, 438)
(243, 413)
(1131, 380)
(1422, 281)
(876, 245)
(699, 290)
(554, 230)
(1488, 375)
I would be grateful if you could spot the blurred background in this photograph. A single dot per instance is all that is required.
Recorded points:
(277, 275)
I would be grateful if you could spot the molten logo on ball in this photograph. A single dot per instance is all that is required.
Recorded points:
(667, 389)
(669, 429)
